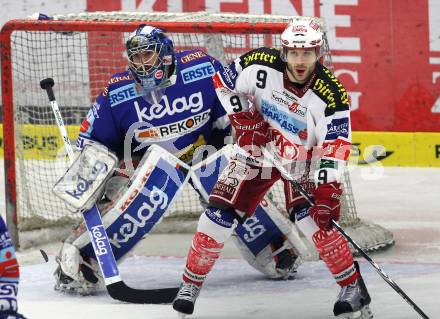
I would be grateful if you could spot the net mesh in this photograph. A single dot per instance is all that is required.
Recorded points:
(81, 64)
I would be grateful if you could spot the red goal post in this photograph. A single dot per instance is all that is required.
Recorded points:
(81, 52)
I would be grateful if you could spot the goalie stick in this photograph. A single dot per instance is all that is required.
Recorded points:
(116, 288)
(310, 200)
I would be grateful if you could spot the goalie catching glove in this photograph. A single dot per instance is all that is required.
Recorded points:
(327, 205)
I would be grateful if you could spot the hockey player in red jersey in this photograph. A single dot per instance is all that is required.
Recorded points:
(297, 107)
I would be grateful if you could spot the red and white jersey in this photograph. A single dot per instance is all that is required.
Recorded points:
(315, 115)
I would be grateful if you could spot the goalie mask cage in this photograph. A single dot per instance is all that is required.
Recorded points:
(81, 52)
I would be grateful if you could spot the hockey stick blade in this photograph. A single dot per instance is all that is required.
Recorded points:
(120, 291)
(116, 288)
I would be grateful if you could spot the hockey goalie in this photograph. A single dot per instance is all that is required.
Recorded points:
(151, 119)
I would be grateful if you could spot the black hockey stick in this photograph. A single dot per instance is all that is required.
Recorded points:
(116, 288)
(310, 200)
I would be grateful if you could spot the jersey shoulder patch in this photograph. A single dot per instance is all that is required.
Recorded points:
(269, 57)
(195, 65)
(331, 91)
(121, 88)
(190, 55)
(119, 79)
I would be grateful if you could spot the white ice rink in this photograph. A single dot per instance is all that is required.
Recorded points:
(403, 200)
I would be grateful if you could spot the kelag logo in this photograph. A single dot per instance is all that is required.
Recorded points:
(193, 103)
(84, 184)
(141, 211)
(99, 240)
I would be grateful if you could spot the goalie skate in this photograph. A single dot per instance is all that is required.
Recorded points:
(186, 298)
(353, 301)
(85, 284)
(287, 264)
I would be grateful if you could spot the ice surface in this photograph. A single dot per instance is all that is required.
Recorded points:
(404, 200)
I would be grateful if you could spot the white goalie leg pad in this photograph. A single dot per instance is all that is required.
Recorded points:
(69, 275)
(70, 260)
(137, 205)
(253, 240)
(270, 243)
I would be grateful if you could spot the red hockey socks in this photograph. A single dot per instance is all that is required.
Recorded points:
(201, 258)
(334, 251)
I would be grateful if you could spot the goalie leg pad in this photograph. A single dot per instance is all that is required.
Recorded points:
(266, 241)
(334, 251)
(74, 274)
(143, 202)
(254, 237)
(214, 228)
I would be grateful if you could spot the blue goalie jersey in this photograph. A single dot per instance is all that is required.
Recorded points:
(186, 116)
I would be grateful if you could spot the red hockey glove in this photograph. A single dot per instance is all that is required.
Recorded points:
(251, 131)
(327, 205)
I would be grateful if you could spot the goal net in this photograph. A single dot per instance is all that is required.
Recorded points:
(81, 52)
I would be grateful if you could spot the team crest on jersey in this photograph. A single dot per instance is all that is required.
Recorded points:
(172, 130)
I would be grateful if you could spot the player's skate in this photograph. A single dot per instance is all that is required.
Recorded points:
(353, 301)
(74, 274)
(186, 298)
